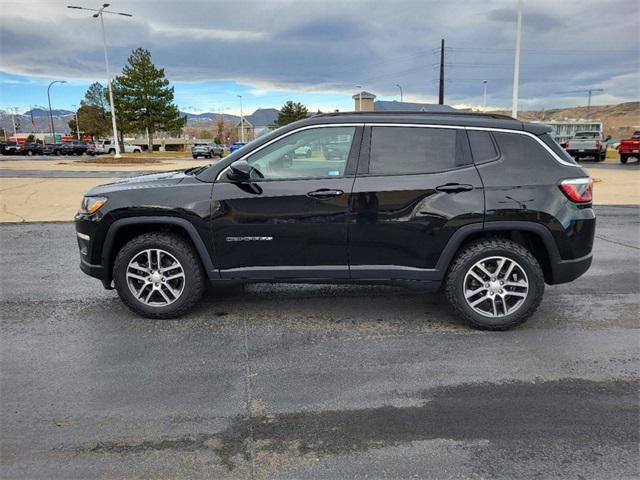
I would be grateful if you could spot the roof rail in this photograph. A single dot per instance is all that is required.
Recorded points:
(472, 114)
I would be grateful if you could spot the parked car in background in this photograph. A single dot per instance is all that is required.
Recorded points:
(420, 199)
(336, 150)
(2, 145)
(207, 150)
(587, 144)
(630, 147)
(52, 149)
(34, 148)
(15, 148)
(74, 147)
(107, 146)
(236, 146)
(304, 151)
(91, 149)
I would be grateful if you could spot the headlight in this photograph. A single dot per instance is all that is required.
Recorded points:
(91, 205)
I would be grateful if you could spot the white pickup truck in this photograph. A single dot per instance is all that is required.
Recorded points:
(107, 146)
(587, 144)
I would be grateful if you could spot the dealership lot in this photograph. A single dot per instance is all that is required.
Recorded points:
(315, 381)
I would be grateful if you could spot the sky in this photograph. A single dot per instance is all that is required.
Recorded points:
(317, 51)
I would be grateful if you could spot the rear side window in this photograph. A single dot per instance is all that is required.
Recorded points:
(411, 150)
(482, 147)
(557, 149)
(521, 150)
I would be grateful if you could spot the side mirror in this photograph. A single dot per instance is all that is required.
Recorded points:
(240, 171)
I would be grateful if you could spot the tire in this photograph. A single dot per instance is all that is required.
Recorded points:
(195, 157)
(623, 158)
(603, 156)
(488, 249)
(191, 286)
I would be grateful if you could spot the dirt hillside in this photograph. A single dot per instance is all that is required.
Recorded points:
(619, 120)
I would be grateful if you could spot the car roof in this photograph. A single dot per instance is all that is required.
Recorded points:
(465, 119)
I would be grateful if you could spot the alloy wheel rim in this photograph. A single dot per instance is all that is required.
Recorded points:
(155, 277)
(495, 286)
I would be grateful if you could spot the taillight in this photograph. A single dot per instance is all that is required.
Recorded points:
(598, 144)
(579, 190)
(566, 145)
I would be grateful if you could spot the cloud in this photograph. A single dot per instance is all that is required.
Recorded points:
(330, 46)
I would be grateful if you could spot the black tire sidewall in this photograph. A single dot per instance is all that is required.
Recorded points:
(535, 278)
(182, 251)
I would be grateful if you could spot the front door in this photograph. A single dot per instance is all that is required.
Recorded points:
(415, 187)
(289, 221)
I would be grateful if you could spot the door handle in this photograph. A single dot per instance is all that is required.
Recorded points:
(454, 188)
(325, 193)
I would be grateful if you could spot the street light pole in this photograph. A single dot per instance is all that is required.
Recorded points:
(99, 14)
(53, 135)
(516, 64)
(75, 108)
(484, 96)
(400, 87)
(241, 121)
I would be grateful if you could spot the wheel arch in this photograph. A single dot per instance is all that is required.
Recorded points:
(535, 237)
(124, 229)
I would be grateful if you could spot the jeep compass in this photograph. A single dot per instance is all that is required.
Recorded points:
(487, 207)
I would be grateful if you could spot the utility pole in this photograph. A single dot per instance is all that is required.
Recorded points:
(441, 89)
(99, 14)
(516, 64)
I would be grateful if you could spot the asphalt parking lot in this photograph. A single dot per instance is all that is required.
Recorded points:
(315, 381)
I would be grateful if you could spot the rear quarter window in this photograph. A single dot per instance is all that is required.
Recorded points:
(557, 149)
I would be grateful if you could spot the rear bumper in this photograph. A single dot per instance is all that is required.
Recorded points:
(586, 151)
(564, 271)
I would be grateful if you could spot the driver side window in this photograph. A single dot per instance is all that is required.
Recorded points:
(313, 153)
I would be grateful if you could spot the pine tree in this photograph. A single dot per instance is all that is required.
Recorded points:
(144, 99)
(291, 112)
(93, 115)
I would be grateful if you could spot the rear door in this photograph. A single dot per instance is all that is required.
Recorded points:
(415, 186)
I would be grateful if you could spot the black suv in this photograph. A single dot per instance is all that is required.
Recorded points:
(487, 206)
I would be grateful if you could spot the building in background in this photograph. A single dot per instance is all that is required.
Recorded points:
(370, 104)
(258, 123)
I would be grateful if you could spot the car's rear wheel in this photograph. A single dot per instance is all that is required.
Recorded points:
(158, 275)
(495, 284)
(624, 158)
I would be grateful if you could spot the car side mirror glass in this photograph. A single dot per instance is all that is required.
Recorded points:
(239, 171)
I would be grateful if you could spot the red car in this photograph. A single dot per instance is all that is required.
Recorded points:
(630, 148)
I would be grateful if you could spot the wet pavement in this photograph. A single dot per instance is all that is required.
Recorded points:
(286, 381)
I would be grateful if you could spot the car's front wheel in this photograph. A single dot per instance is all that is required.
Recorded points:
(495, 284)
(158, 275)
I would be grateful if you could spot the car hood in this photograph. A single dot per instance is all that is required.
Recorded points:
(154, 180)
